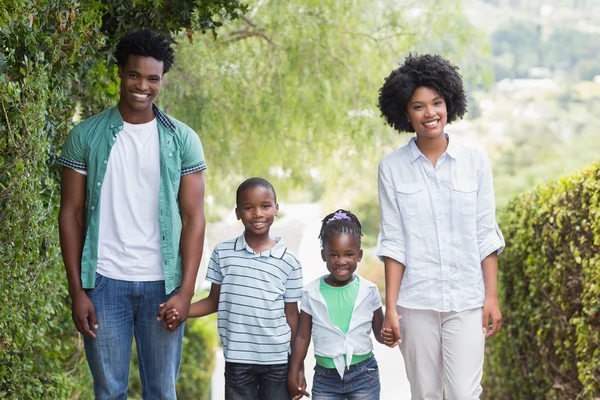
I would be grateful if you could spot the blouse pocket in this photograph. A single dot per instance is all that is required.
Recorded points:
(465, 195)
(410, 198)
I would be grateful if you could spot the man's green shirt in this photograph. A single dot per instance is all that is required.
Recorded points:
(87, 149)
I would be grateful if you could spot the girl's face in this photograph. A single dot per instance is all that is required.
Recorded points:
(342, 254)
(426, 112)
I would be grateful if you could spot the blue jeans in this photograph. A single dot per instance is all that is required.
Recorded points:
(126, 310)
(256, 382)
(361, 382)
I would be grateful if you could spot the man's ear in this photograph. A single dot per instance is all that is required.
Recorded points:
(323, 255)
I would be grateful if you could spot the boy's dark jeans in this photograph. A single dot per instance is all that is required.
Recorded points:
(256, 382)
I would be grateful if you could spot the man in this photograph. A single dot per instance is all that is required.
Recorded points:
(132, 225)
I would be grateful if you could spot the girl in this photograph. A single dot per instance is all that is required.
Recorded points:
(439, 238)
(339, 310)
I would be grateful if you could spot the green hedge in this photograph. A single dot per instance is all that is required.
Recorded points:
(55, 56)
(549, 283)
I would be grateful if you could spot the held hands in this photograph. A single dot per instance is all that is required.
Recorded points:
(297, 387)
(84, 314)
(174, 312)
(390, 333)
(491, 310)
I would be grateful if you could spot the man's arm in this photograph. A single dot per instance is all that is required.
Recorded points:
(71, 226)
(191, 206)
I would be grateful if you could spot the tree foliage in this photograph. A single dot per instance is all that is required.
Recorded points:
(289, 92)
(48, 51)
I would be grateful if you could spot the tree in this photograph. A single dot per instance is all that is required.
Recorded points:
(289, 91)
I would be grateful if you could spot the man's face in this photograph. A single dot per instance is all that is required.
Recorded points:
(141, 80)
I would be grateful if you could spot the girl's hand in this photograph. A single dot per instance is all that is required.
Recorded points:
(391, 328)
(297, 386)
(491, 310)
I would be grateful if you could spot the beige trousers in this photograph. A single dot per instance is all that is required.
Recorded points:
(443, 353)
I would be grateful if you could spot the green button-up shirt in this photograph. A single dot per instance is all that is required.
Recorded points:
(87, 149)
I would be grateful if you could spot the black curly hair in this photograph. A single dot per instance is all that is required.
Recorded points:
(252, 183)
(343, 222)
(427, 70)
(147, 43)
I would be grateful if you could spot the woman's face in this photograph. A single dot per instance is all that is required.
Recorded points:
(426, 112)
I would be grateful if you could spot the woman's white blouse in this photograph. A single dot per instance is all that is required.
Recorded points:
(440, 223)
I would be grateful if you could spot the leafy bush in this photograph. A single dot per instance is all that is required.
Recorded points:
(549, 283)
(53, 57)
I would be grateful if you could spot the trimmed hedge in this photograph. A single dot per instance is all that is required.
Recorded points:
(549, 282)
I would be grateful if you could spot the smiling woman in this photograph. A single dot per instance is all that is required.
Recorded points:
(440, 254)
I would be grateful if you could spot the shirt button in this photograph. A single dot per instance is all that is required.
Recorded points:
(98, 184)
(170, 154)
(114, 138)
(105, 161)
(92, 208)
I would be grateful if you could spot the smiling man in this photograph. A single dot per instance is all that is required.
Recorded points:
(132, 225)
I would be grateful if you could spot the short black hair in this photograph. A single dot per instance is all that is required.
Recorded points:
(340, 221)
(252, 183)
(147, 43)
(427, 70)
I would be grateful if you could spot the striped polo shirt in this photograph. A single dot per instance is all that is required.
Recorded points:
(254, 288)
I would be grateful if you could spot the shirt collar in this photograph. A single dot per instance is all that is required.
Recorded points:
(452, 150)
(116, 120)
(277, 251)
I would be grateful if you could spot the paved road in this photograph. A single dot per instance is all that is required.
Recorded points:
(300, 228)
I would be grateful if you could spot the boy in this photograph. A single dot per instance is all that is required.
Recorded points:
(256, 284)
(131, 225)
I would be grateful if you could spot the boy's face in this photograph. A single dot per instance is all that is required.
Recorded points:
(141, 80)
(257, 209)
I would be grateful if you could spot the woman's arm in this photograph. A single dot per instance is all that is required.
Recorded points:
(393, 278)
(491, 308)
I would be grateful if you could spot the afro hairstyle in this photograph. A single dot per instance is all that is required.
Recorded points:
(427, 70)
(145, 42)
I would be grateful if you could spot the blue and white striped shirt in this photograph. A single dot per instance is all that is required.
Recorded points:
(254, 287)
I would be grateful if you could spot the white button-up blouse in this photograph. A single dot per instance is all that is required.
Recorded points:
(440, 223)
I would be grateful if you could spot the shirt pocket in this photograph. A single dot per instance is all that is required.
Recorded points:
(410, 198)
(465, 195)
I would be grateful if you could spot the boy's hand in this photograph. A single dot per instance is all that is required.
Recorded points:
(297, 386)
(169, 317)
(181, 305)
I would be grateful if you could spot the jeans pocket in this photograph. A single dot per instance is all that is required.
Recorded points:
(98, 286)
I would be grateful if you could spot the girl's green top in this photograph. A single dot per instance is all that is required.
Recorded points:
(340, 304)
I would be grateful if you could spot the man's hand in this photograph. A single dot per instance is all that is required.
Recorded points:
(390, 332)
(181, 304)
(84, 314)
(491, 310)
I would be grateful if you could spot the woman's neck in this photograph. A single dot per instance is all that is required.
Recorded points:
(432, 148)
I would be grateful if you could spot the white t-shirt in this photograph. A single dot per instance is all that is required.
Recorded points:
(129, 237)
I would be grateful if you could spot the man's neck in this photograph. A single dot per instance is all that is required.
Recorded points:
(136, 116)
(259, 243)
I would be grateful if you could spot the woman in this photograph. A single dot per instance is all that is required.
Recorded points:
(439, 240)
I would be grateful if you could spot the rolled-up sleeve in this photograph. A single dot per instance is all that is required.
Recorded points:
(391, 242)
(489, 236)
